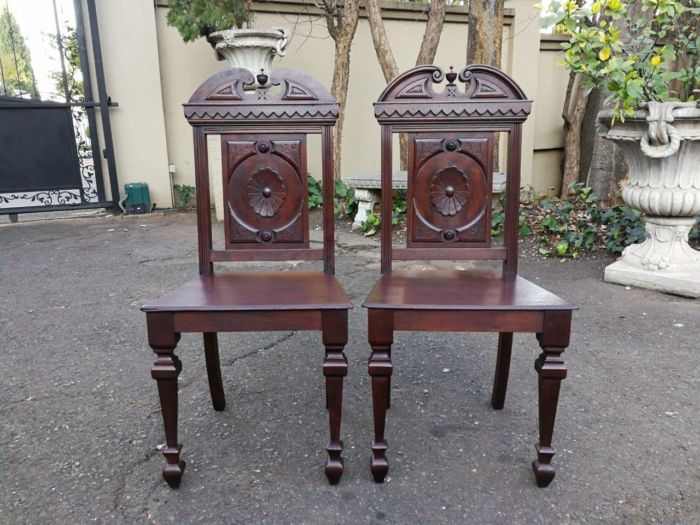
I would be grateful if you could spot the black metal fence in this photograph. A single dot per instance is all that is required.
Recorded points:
(49, 141)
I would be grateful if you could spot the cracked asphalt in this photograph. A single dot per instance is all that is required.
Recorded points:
(80, 420)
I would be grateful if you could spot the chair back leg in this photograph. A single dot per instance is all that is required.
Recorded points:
(500, 380)
(211, 355)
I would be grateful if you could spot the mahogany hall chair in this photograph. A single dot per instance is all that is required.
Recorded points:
(451, 134)
(263, 131)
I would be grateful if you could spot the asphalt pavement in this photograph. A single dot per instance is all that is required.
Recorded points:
(80, 420)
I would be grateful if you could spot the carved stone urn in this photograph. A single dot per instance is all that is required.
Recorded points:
(252, 49)
(661, 143)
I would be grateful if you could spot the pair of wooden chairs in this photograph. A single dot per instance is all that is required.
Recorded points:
(451, 135)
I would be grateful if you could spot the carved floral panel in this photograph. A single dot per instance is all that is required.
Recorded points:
(265, 190)
(449, 189)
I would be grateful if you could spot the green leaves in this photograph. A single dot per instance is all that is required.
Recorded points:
(634, 60)
(344, 201)
(623, 226)
(183, 195)
(197, 18)
(373, 221)
(315, 193)
(567, 228)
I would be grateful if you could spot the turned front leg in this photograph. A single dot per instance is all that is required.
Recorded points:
(550, 370)
(335, 368)
(381, 336)
(163, 339)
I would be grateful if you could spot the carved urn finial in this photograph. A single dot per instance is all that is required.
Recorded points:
(451, 76)
(262, 78)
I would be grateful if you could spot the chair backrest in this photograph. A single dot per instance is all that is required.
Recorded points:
(263, 129)
(451, 136)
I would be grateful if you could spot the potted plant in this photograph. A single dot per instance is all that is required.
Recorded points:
(226, 26)
(644, 54)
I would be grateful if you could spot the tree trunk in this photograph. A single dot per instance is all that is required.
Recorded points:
(485, 44)
(381, 42)
(385, 55)
(342, 24)
(603, 166)
(433, 30)
(485, 40)
(339, 90)
(574, 111)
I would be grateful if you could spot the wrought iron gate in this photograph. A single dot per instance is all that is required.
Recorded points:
(49, 142)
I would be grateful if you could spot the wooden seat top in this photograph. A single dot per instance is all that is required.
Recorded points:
(245, 291)
(461, 290)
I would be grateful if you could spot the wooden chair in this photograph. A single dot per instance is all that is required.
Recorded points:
(263, 139)
(450, 166)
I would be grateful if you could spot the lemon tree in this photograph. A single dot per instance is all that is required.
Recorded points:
(652, 58)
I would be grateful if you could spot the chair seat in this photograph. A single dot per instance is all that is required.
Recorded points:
(461, 290)
(245, 291)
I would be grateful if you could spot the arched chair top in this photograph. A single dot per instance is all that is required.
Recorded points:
(487, 94)
(286, 95)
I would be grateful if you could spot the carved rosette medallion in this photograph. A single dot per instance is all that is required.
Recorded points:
(266, 192)
(449, 190)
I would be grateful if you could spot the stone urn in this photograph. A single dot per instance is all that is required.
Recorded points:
(661, 143)
(252, 49)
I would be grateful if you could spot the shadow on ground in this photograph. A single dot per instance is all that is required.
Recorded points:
(80, 416)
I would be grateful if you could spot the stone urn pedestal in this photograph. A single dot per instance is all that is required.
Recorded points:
(662, 146)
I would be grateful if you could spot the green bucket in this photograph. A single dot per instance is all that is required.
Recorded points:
(138, 200)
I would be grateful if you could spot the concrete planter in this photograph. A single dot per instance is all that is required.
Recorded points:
(662, 146)
(252, 49)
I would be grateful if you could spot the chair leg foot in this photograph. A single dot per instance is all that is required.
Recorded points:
(335, 465)
(172, 472)
(334, 389)
(380, 364)
(544, 472)
(379, 465)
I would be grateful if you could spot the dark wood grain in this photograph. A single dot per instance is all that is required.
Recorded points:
(449, 254)
(460, 290)
(451, 132)
(303, 290)
(263, 138)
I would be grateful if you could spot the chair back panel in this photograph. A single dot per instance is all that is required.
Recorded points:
(265, 190)
(263, 122)
(449, 189)
(451, 121)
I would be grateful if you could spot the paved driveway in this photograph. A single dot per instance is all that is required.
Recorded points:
(81, 421)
